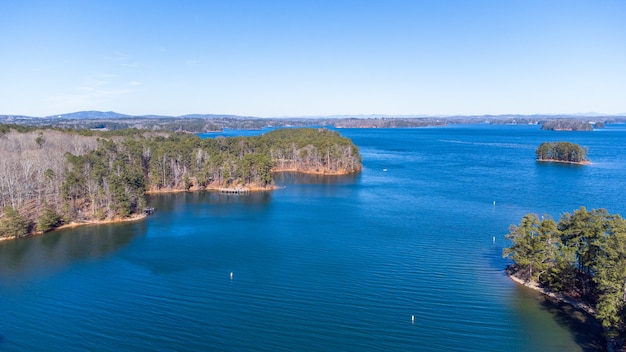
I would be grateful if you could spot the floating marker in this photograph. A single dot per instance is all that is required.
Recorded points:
(412, 318)
(494, 239)
(494, 202)
(231, 275)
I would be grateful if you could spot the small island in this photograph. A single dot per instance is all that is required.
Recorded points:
(51, 177)
(570, 124)
(580, 260)
(562, 152)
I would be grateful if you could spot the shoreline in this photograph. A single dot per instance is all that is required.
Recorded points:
(73, 224)
(321, 173)
(241, 189)
(585, 162)
(194, 188)
(579, 305)
(249, 188)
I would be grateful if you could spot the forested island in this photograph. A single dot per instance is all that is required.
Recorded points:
(580, 259)
(564, 152)
(50, 177)
(569, 125)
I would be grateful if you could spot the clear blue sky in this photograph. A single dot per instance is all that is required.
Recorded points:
(317, 57)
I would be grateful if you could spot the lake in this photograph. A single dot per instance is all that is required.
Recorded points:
(323, 263)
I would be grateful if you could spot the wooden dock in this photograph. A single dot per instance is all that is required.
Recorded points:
(234, 190)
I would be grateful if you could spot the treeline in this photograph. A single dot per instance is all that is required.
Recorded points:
(583, 255)
(50, 176)
(197, 123)
(561, 151)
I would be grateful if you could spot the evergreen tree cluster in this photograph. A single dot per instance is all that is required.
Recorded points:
(561, 151)
(13, 224)
(582, 255)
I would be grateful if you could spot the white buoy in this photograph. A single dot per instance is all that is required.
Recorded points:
(412, 318)
(494, 239)
(231, 275)
(494, 202)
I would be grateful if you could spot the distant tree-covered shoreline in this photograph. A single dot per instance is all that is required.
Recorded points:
(50, 176)
(210, 122)
(568, 125)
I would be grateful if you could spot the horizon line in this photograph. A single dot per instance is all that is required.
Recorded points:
(361, 115)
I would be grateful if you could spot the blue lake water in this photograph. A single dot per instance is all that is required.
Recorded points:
(324, 263)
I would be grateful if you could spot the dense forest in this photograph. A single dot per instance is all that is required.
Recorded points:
(561, 151)
(583, 256)
(53, 176)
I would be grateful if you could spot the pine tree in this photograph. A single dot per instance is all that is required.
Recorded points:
(48, 220)
(13, 224)
(610, 277)
(526, 246)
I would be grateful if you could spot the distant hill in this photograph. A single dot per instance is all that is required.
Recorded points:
(89, 115)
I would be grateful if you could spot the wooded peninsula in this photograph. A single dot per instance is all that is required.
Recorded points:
(581, 258)
(50, 176)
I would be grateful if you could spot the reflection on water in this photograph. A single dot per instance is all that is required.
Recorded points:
(40, 255)
(317, 186)
(284, 178)
(204, 203)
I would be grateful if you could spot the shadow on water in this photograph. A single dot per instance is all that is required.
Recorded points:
(168, 202)
(586, 330)
(318, 186)
(39, 255)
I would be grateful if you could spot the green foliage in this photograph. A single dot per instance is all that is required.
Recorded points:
(583, 231)
(567, 125)
(110, 178)
(40, 140)
(312, 150)
(524, 249)
(584, 254)
(13, 225)
(5, 128)
(610, 278)
(561, 151)
(48, 220)
(535, 248)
